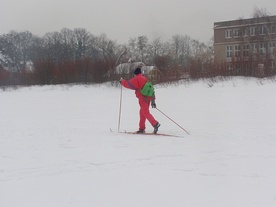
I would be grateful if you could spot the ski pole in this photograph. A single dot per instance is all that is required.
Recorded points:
(173, 121)
(120, 109)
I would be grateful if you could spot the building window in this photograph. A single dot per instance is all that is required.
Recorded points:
(273, 65)
(273, 29)
(228, 51)
(254, 49)
(262, 30)
(228, 34)
(262, 48)
(237, 51)
(236, 33)
(245, 50)
(271, 49)
(246, 32)
(253, 31)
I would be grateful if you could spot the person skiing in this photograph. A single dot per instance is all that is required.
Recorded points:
(137, 83)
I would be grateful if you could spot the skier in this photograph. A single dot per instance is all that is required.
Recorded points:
(137, 84)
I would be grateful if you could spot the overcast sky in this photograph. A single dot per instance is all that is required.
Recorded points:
(121, 20)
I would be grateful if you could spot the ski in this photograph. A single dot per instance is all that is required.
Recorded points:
(148, 133)
(151, 133)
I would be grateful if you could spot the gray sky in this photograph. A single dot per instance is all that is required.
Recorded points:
(124, 19)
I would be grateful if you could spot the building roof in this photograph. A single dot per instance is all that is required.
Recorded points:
(243, 22)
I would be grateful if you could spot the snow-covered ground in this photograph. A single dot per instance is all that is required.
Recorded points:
(57, 148)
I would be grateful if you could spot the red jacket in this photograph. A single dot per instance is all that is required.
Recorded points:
(136, 84)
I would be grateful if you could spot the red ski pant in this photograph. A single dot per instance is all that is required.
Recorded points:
(144, 103)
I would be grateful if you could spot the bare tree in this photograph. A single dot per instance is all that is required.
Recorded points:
(181, 47)
(83, 41)
(67, 38)
(109, 50)
(259, 13)
(15, 50)
(155, 49)
(142, 42)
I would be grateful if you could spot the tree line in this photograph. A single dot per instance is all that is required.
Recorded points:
(77, 56)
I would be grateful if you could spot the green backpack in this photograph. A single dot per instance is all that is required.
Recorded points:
(147, 89)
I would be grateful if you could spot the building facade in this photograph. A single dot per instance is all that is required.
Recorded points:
(246, 45)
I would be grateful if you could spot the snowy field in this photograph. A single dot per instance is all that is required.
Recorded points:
(57, 148)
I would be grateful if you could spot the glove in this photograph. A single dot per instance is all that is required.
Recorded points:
(153, 104)
(120, 79)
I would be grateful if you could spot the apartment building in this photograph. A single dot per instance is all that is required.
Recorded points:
(246, 44)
